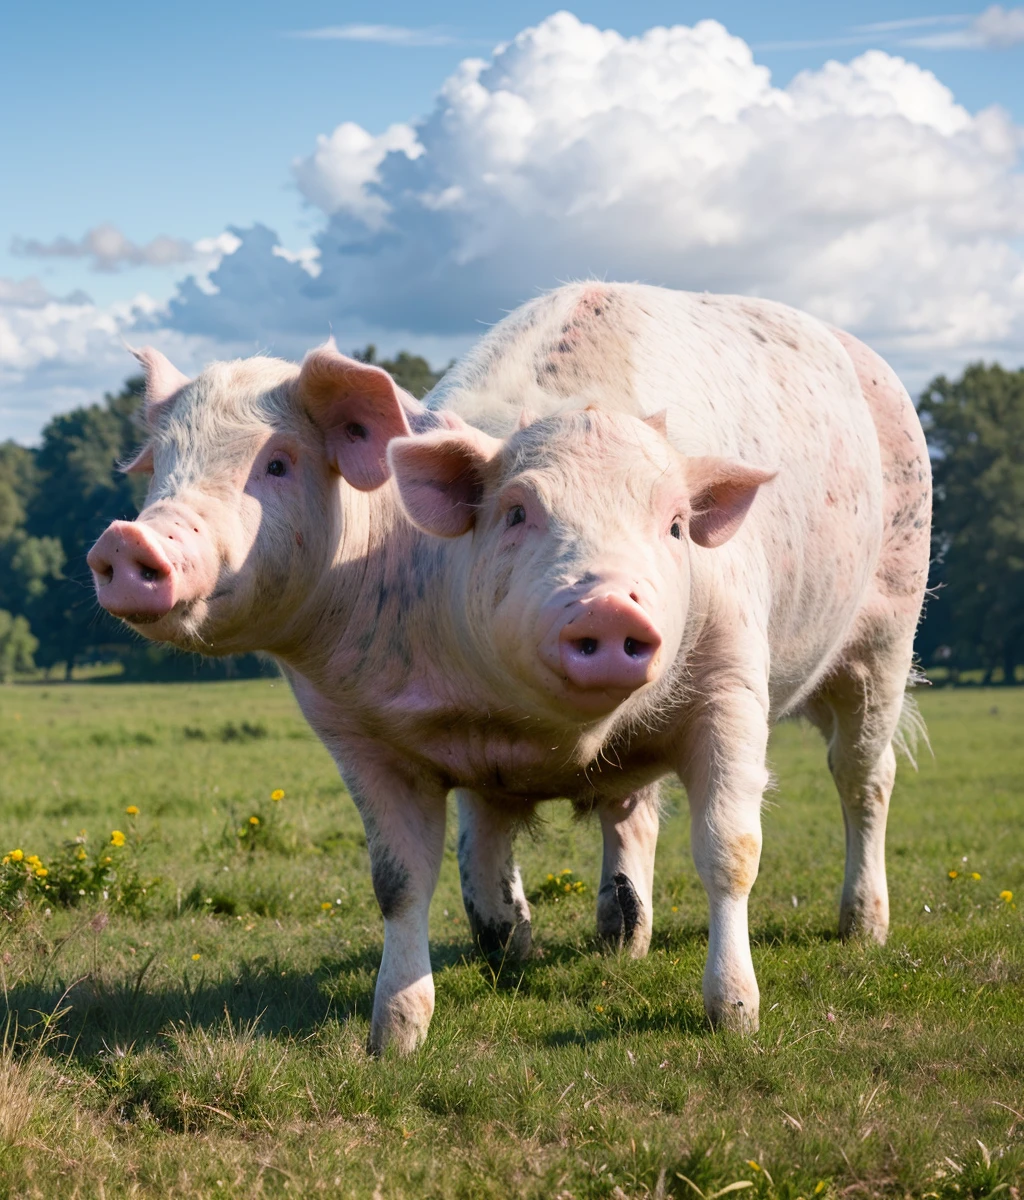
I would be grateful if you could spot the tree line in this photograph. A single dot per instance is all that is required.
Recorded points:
(55, 500)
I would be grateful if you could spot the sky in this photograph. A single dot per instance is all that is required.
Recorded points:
(220, 180)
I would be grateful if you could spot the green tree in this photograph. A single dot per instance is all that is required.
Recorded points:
(17, 645)
(975, 428)
(410, 371)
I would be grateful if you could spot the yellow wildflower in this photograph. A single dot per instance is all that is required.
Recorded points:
(819, 1187)
(1006, 896)
(132, 810)
(953, 874)
(254, 821)
(80, 853)
(675, 907)
(196, 957)
(108, 859)
(41, 872)
(33, 860)
(567, 871)
(117, 838)
(17, 855)
(567, 887)
(975, 875)
(277, 794)
(753, 1165)
(551, 878)
(326, 906)
(599, 1008)
(6, 859)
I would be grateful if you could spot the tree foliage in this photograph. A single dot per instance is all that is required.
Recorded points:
(975, 428)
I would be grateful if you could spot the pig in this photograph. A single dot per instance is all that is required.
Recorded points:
(629, 532)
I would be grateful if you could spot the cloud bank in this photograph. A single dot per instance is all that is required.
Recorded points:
(861, 192)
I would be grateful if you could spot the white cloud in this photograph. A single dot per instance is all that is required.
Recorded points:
(996, 28)
(389, 35)
(861, 191)
(109, 249)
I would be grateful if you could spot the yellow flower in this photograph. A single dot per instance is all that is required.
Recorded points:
(567, 887)
(132, 810)
(819, 1187)
(551, 878)
(1006, 896)
(277, 794)
(254, 821)
(6, 859)
(753, 1165)
(108, 859)
(675, 907)
(567, 871)
(196, 957)
(80, 853)
(33, 860)
(41, 872)
(599, 1008)
(975, 875)
(326, 906)
(953, 874)
(117, 838)
(17, 855)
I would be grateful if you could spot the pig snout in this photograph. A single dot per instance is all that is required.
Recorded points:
(141, 572)
(606, 648)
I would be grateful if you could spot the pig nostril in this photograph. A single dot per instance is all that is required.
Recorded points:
(587, 646)
(634, 648)
(149, 574)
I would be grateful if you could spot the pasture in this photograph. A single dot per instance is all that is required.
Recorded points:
(200, 1031)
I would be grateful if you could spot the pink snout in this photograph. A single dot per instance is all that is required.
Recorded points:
(141, 571)
(610, 649)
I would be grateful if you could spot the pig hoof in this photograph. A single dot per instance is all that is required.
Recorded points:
(401, 1023)
(500, 939)
(736, 1016)
(863, 922)
(622, 922)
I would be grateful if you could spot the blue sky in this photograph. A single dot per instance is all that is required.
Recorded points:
(185, 120)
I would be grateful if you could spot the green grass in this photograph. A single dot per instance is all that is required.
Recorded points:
(133, 1068)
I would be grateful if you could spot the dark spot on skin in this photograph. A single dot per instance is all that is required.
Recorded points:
(298, 539)
(390, 883)
(618, 911)
(502, 940)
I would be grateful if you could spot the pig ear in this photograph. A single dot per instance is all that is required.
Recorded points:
(142, 463)
(163, 381)
(721, 492)
(359, 410)
(658, 421)
(440, 478)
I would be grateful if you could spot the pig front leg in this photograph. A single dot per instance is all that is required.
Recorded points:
(624, 900)
(492, 888)
(725, 775)
(405, 838)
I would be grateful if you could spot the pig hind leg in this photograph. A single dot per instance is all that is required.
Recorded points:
(858, 709)
(492, 888)
(624, 900)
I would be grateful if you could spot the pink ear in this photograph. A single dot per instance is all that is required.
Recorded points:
(658, 421)
(142, 463)
(721, 492)
(163, 380)
(359, 410)
(440, 478)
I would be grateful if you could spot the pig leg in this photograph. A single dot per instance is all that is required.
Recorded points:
(492, 888)
(724, 772)
(405, 838)
(624, 904)
(858, 710)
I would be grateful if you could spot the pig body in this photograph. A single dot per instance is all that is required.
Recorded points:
(583, 605)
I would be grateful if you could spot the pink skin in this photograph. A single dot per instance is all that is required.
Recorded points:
(144, 569)
(603, 644)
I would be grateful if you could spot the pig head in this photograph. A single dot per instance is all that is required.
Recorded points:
(258, 469)
(574, 565)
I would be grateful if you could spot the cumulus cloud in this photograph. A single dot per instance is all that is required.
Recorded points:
(861, 191)
(996, 28)
(389, 35)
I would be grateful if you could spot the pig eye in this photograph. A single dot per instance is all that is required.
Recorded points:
(676, 531)
(516, 516)
(277, 467)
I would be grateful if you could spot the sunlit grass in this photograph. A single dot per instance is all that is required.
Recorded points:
(209, 1041)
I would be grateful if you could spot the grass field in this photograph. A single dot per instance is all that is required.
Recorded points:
(208, 1040)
